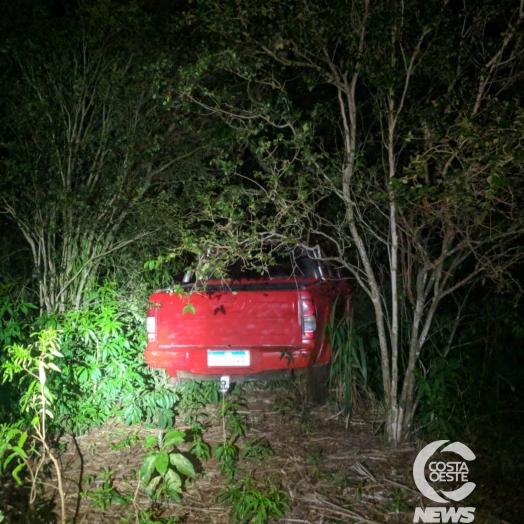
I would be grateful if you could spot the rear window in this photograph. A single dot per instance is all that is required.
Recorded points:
(284, 266)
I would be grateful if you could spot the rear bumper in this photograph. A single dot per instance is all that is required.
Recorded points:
(192, 362)
(279, 374)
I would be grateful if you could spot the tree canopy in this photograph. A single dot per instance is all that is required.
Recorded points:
(92, 161)
(389, 134)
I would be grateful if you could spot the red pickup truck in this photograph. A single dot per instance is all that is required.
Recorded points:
(248, 327)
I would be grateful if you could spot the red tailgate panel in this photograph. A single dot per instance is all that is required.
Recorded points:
(247, 319)
(265, 322)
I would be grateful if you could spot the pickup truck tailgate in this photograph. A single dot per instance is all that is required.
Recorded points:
(226, 319)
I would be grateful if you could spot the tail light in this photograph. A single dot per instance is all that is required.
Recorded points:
(151, 325)
(309, 319)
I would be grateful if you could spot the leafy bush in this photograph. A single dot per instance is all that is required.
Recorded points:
(104, 373)
(439, 397)
(196, 394)
(14, 317)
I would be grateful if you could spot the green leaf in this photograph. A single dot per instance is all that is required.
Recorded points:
(20, 452)
(151, 486)
(22, 439)
(7, 461)
(15, 473)
(54, 367)
(182, 464)
(162, 462)
(173, 480)
(190, 308)
(147, 468)
(174, 438)
(150, 442)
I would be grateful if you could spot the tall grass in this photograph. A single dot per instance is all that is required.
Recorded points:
(349, 365)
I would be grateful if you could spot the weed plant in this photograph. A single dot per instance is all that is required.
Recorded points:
(16, 317)
(26, 443)
(165, 468)
(254, 501)
(227, 453)
(256, 450)
(104, 493)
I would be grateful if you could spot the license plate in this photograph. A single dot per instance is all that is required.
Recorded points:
(228, 358)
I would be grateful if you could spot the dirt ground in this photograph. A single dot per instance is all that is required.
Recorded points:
(335, 470)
